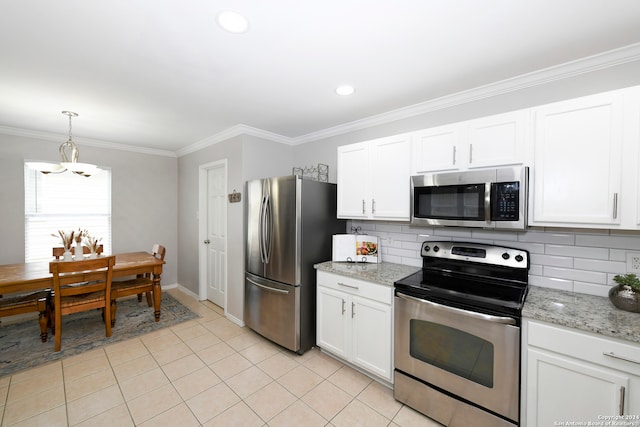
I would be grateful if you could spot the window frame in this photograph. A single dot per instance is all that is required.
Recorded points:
(41, 212)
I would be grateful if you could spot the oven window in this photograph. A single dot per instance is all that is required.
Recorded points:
(453, 350)
(458, 202)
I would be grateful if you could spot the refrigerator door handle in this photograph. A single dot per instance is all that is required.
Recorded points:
(268, 235)
(262, 229)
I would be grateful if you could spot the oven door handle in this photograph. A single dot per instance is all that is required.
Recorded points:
(473, 314)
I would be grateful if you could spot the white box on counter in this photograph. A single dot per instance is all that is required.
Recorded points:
(356, 248)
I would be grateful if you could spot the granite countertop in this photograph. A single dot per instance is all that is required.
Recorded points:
(384, 273)
(570, 309)
(583, 312)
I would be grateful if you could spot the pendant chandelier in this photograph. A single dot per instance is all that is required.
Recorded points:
(69, 154)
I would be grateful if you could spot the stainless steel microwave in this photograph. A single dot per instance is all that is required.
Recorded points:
(487, 198)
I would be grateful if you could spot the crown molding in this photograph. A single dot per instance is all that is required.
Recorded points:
(84, 141)
(232, 132)
(580, 66)
(574, 68)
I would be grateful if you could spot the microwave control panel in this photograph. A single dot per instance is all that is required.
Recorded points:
(505, 201)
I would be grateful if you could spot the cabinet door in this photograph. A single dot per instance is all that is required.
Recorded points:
(560, 389)
(331, 321)
(353, 181)
(371, 326)
(436, 149)
(497, 140)
(577, 161)
(390, 160)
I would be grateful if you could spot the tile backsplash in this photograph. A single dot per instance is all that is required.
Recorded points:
(577, 260)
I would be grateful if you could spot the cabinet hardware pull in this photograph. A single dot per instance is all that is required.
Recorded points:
(353, 310)
(616, 356)
(343, 307)
(615, 205)
(454, 154)
(622, 390)
(373, 206)
(363, 207)
(470, 153)
(348, 286)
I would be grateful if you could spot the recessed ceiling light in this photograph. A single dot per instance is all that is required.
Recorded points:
(345, 90)
(232, 21)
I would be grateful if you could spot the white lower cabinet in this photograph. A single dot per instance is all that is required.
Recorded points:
(578, 377)
(354, 322)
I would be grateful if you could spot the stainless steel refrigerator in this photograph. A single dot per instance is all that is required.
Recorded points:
(289, 222)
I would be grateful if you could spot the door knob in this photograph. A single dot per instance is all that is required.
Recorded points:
(206, 242)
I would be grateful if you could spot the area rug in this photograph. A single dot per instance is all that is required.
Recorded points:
(21, 348)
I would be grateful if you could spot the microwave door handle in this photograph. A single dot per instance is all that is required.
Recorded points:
(472, 314)
(487, 201)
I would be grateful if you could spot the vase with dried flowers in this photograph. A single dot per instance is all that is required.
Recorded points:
(92, 243)
(79, 253)
(67, 241)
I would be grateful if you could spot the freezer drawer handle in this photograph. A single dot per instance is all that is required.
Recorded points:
(268, 288)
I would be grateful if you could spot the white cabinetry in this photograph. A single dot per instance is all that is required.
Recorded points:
(575, 376)
(373, 179)
(354, 321)
(436, 149)
(578, 161)
(485, 142)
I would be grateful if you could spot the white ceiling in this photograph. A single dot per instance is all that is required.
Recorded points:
(161, 74)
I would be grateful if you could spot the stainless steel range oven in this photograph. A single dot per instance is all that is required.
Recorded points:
(457, 334)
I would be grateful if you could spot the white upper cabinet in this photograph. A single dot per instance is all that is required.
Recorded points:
(353, 180)
(583, 154)
(373, 179)
(485, 142)
(578, 162)
(497, 140)
(436, 149)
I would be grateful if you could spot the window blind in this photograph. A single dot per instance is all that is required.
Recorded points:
(66, 202)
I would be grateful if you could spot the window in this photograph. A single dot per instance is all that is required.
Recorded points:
(67, 202)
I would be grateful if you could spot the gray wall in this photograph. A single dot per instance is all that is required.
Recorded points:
(248, 158)
(143, 188)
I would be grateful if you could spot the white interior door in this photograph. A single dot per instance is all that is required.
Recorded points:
(213, 225)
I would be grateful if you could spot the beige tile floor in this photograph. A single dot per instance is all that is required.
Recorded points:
(205, 372)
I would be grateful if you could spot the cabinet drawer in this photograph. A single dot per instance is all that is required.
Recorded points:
(373, 291)
(585, 346)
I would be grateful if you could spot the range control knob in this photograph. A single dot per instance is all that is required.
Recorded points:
(505, 256)
(426, 248)
(436, 248)
(519, 258)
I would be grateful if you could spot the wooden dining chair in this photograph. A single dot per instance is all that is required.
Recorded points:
(81, 286)
(142, 284)
(11, 305)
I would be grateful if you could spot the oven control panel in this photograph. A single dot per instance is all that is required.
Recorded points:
(477, 252)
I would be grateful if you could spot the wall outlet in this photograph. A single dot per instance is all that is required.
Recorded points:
(633, 262)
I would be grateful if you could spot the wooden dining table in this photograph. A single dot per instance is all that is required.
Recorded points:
(33, 276)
